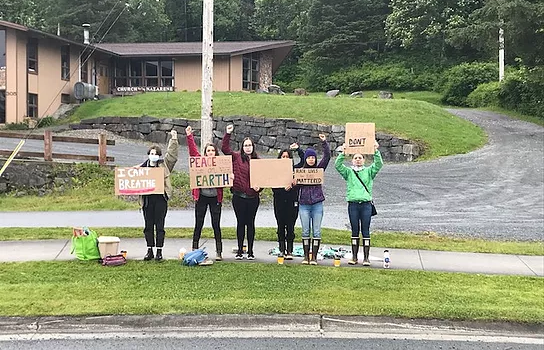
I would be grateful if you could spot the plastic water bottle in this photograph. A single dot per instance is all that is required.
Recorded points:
(386, 260)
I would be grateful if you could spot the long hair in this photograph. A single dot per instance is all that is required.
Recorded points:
(245, 157)
(284, 151)
(214, 147)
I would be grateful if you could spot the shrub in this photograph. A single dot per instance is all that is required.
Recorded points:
(523, 90)
(16, 126)
(46, 121)
(459, 81)
(486, 94)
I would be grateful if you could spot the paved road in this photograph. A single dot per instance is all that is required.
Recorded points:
(495, 192)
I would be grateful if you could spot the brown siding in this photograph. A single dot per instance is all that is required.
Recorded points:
(236, 73)
(21, 77)
(188, 74)
(11, 76)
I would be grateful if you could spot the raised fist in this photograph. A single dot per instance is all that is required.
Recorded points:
(230, 129)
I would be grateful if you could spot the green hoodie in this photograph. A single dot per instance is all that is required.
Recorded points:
(355, 191)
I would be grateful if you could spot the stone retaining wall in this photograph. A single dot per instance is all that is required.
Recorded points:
(36, 177)
(270, 135)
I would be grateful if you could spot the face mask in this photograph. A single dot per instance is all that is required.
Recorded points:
(153, 158)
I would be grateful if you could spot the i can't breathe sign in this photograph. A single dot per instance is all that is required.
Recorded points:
(139, 181)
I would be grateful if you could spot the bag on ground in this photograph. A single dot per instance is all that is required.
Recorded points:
(195, 257)
(85, 246)
(114, 260)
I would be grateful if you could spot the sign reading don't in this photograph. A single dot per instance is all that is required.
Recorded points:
(139, 181)
(360, 138)
(210, 172)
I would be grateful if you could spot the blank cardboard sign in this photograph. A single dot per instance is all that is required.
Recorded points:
(360, 138)
(139, 181)
(210, 172)
(271, 173)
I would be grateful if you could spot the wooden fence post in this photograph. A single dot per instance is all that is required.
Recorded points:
(48, 145)
(102, 149)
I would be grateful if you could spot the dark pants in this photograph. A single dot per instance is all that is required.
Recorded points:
(245, 210)
(201, 207)
(155, 208)
(286, 213)
(359, 218)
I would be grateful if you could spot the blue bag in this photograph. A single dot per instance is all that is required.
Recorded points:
(195, 257)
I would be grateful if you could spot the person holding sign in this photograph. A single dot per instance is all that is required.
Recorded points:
(311, 203)
(359, 196)
(205, 197)
(286, 207)
(245, 199)
(155, 206)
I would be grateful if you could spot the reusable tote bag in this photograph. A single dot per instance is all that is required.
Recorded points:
(86, 246)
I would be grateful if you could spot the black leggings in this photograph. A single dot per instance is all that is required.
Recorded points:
(201, 207)
(245, 210)
(155, 208)
(286, 213)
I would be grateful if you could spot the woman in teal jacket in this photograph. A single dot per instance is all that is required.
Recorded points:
(359, 198)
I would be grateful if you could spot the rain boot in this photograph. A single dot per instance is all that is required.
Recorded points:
(306, 247)
(366, 251)
(315, 250)
(158, 256)
(354, 250)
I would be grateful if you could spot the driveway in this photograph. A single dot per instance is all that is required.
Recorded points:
(495, 192)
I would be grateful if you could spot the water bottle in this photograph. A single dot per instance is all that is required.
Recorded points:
(386, 260)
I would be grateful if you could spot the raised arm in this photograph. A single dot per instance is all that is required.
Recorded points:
(225, 145)
(326, 152)
(378, 161)
(171, 156)
(191, 144)
(300, 152)
(340, 166)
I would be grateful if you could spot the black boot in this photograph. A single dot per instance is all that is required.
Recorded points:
(315, 250)
(158, 257)
(366, 251)
(306, 247)
(195, 245)
(354, 250)
(282, 247)
(149, 255)
(289, 254)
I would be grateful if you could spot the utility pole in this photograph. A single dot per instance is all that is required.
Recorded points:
(206, 121)
(501, 54)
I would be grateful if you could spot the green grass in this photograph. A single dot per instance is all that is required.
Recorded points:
(438, 131)
(400, 240)
(86, 288)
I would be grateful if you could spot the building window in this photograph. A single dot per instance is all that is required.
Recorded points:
(65, 98)
(32, 55)
(32, 106)
(65, 62)
(250, 71)
(144, 73)
(84, 70)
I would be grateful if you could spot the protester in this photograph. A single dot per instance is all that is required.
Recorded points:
(311, 203)
(286, 207)
(245, 200)
(359, 196)
(155, 206)
(206, 197)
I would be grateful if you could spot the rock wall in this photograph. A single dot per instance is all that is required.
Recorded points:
(36, 177)
(269, 135)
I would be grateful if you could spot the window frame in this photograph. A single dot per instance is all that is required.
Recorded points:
(65, 62)
(32, 108)
(123, 73)
(32, 43)
(250, 76)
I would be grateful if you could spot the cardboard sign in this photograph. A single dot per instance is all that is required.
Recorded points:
(210, 172)
(309, 176)
(271, 173)
(139, 181)
(360, 138)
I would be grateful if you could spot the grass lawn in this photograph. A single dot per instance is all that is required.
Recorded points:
(399, 240)
(86, 288)
(438, 131)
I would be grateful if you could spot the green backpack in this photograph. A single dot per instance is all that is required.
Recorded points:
(86, 247)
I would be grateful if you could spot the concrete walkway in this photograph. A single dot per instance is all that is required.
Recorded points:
(401, 259)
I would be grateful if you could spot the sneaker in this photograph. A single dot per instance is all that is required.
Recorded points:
(218, 257)
(366, 262)
(313, 262)
(250, 257)
(238, 257)
(304, 262)
(289, 256)
(352, 262)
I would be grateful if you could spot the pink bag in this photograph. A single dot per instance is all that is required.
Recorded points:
(114, 260)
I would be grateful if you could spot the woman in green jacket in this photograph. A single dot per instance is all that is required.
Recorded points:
(359, 196)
